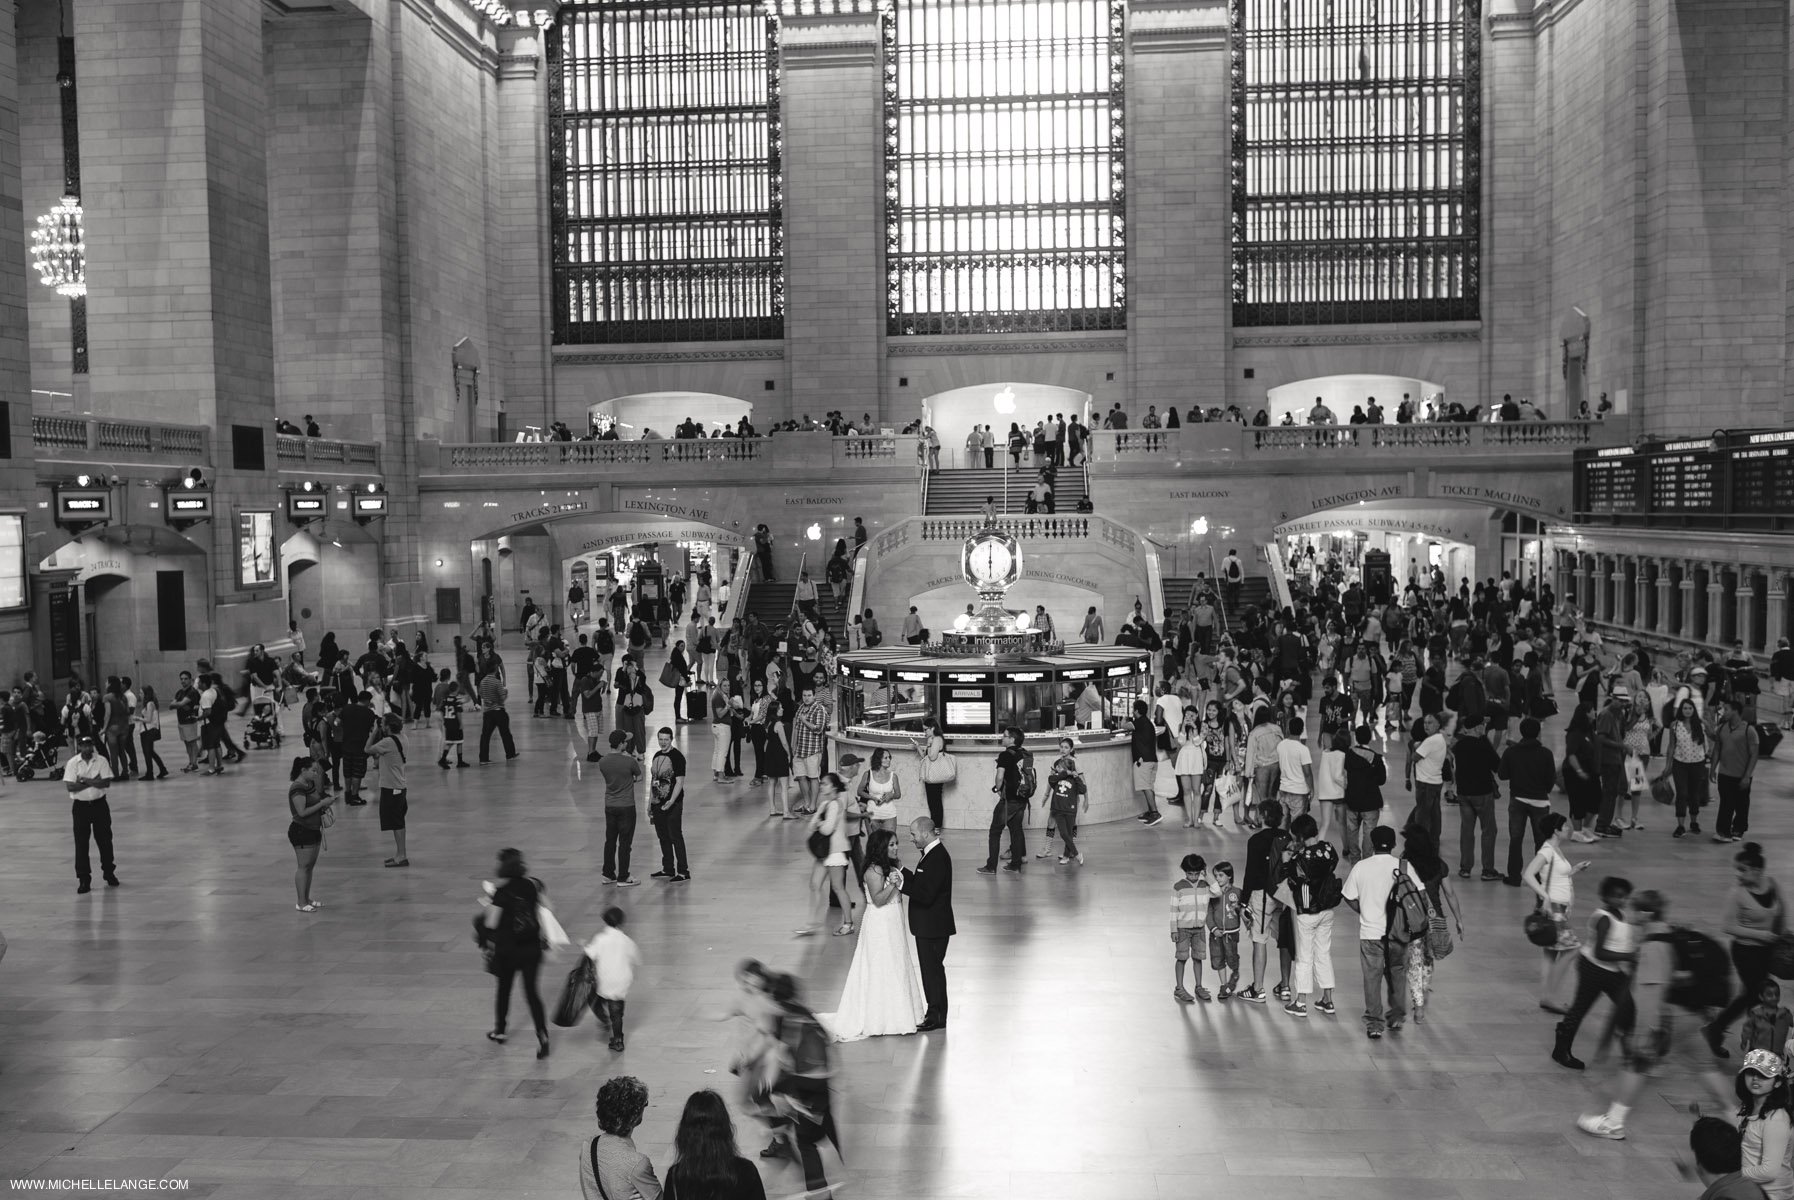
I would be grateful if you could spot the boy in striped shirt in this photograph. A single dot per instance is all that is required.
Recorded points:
(1190, 896)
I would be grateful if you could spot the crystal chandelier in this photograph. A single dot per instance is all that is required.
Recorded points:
(59, 249)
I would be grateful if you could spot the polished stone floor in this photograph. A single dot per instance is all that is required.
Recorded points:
(192, 1025)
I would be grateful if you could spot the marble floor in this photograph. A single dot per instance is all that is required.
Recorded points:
(191, 1025)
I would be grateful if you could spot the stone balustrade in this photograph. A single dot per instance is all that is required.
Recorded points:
(292, 450)
(93, 438)
(1225, 441)
(801, 451)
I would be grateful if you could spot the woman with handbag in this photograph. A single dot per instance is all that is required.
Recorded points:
(828, 846)
(512, 926)
(634, 702)
(937, 768)
(677, 675)
(1552, 878)
(1218, 755)
(879, 791)
(1422, 854)
(1640, 736)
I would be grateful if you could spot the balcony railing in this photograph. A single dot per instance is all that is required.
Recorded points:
(292, 450)
(1219, 441)
(958, 529)
(83, 437)
(796, 450)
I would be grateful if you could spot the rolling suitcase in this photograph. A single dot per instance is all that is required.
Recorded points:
(697, 705)
(1769, 736)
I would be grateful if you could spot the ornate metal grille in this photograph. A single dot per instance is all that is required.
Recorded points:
(1004, 193)
(664, 162)
(1357, 128)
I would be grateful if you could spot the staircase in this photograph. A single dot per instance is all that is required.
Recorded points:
(1180, 592)
(962, 492)
(772, 603)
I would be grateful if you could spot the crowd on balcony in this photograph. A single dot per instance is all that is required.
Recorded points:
(1430, 410)
(282, 425)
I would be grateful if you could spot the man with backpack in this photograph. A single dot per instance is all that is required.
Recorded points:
(1014, 787)
(1233, 575)
(1314, 891)
(1384, 931)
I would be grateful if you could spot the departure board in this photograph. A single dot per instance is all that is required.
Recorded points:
(1685, 477)
(1610, 481)
(1763, 472)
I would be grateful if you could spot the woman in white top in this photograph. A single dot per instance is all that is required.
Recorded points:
(1189, 765)
(1763, 1122)
(1329, 781)
(880, 789)
(830, 871)
(1551, 876)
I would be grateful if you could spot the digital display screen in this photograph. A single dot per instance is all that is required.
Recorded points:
(255, 549)
(1686, 478)
(190, 506)
(370, 505)
(303, 505)
(1763, 479)
(84, 504)
(1610, 485)
(969, 709)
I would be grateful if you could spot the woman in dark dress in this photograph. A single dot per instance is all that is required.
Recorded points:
(1582, 774)
(709, 1167)
(515, 934)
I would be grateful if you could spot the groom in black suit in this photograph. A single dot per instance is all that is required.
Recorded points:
(930, 890)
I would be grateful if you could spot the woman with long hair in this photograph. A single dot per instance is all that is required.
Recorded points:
(1582, 773)
(512, 926)
(879, 791)
(1764, 1120)
(308, 803)
(708, 1166)
(828, 871)
(1190, 764)
(775, 754)
(679, 666)
(634, 702)
(1218, 752)
(149, 732)
(1552, 878)
(1688, 765)
(931, 747)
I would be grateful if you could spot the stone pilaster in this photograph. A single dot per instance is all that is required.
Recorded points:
(1688, 629)
(1641, 592)
(17, 475)
(1662, 625)
(1775, 622)
(522, 233)
(174, 129)
(834, 213)
(1715, 604)
(1178, 92)
(1744, 600)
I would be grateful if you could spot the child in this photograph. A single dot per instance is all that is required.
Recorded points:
(615, 957)
(447, 701)
(1224, 928)
(1189, 913)
(1065, 794)
(1766, 1025)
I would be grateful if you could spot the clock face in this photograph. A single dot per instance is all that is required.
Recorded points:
(990, 560)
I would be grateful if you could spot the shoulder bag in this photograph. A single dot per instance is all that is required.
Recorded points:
(942, 768)
(592, 1152)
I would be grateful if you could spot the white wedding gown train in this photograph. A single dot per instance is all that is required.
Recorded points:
(883, 994)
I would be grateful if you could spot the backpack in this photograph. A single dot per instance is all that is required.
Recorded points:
(1408, 913)
(1029, 780)
(226, 701)
(706, 644)
(1703, 973)
(1233, 570)
(607, 643)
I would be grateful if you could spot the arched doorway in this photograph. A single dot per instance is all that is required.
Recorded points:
(662, 411)
(953, 413)
(1342, 393)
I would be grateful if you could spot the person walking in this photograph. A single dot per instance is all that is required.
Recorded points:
(1601, 970)
(615, 960)
(610, 1167)
(1756, 914)
(620, 771)
(85, 777)
(149, 732)
(514, 930)
(115, 727)
(828, 871)
(708, 1166)
(493, 717)
(308, 804)
(1365, 775)
(1733, 763)
(1011, 805)
(1531, 773)
(802, 1108)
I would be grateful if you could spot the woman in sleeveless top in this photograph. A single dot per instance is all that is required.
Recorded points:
(880, 790)
(308, 802)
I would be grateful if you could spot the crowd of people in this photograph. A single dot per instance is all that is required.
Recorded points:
(1408, 411)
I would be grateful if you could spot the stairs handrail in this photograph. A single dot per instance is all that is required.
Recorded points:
(739, 587)
(1214, 573)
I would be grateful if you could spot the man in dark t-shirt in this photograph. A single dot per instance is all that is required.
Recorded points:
(620, 771)
(666, 808)
(357, 723)
(1011, 805)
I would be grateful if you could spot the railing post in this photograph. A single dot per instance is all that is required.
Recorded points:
(93, 433)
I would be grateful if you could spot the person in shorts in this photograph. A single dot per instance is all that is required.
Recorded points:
(1190, 897)
(1224, 929)
(588, 692)
(388, 755)
(446, 699)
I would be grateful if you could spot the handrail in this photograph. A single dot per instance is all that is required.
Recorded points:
(739, 586)
(52, 433)
(291, 447)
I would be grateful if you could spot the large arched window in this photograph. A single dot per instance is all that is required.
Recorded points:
(664, 161)
(1356, 176)
(1003, 165)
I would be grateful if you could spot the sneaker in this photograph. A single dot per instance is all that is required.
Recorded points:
(1720, 839)
(1202, 994)
(1014, 868)
(682, 878)
(660, 875)
(1463, 872)
(1143, 817)
(1601, 1126)
(1251, 995)
(1296, 1008)
(1155, 818)
(1063, 860)
(1182, 996)
(1080, 858)
(987, 869)
(1491, 876)
(1694, 827)
(609, 880)
(1325, 1008)
(629, 881)
(1373, 1032)
(1680, 830)
(1568, 1061)
(1046, 852)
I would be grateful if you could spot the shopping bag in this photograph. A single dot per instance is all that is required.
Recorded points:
(576, 997)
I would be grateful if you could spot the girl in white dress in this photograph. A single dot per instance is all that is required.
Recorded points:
(1191, 762)
(883, 994)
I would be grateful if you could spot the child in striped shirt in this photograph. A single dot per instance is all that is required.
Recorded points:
(1190, 898)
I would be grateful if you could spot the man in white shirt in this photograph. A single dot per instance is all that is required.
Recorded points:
(1172, 705)
(1295, 770)
(1426, 772)
(86, 776)
(1367, 890)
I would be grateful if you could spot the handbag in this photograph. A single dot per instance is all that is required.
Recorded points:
(1543, 927)
(1228, 788)
(1438, 936)
(671, 676)
(482, 937)
(818, 842)
(1663, 789)
(943, 768)
(576, 996)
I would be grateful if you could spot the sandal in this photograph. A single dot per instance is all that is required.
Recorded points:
(306, 908)
(846, 927)
(396, 862)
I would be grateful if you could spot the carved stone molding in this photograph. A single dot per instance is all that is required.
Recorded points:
(630, 357)
(1249, 341)
(930, 347)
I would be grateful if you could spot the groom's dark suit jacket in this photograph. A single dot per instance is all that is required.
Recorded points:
(930, 892)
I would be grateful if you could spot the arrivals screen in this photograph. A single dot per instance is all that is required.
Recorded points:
(968, 709)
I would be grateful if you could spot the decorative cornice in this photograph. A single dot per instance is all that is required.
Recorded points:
(932, 347)
(1172, 39)
(817, 55)
(1251, 341)
(623, 358)
(1544, 14)
(519, 66)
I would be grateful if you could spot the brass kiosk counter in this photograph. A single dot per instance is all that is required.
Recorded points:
(882, 697)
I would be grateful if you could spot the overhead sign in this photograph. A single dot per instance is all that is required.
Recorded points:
(370, 505)
(189, 506)
(83, 504)
(307, 506)
(663, 533)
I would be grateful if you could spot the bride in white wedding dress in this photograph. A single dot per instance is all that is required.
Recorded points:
(883, 994)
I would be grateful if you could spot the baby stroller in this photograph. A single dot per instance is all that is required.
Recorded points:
(37, 758)
(264, 732)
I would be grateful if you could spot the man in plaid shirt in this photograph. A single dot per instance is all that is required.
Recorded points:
(808, 730)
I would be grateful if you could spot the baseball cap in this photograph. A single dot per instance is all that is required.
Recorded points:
(850, 760)
(1763, 1062)
(618, 737)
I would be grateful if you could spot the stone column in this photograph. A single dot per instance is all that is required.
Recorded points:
(174, 129)
(1744, 600)
(1688, 630)
(834, 210)
(1178, 93)
(1617, 602)
(18, 482)
(1662, 625)
(1775, 620)
(1715, 603)
(1641, 589)
(1580, 574)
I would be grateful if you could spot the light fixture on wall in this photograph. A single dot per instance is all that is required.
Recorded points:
(59, 249)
